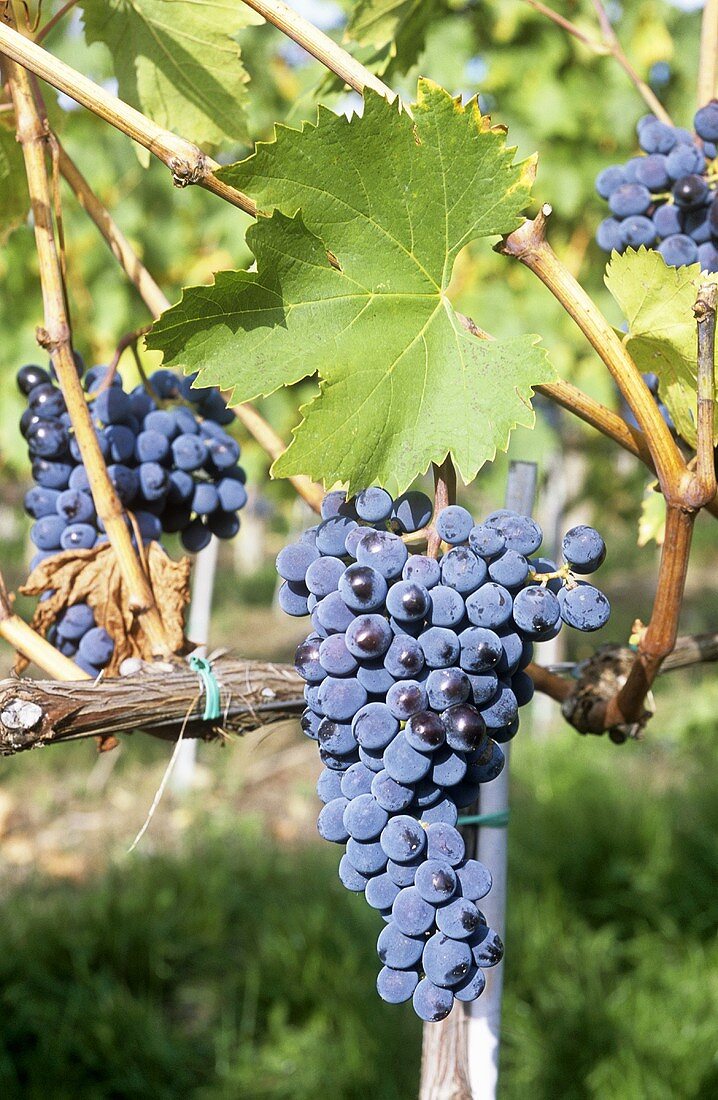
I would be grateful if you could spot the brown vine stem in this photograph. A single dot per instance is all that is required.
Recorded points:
(657, 641)
(54, 20)
(56, 338)
(186, 161)
(528, 244)
(320, 46)
(118, 244)
(444, 495)
(157, 302)
(708, 56)
(608, 45)
(31, 645)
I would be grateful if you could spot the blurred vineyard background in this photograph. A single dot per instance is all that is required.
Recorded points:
(222, 958)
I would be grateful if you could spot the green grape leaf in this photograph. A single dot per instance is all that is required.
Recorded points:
(402, 382)
(15, 204)
(177, 61)
(657, 302)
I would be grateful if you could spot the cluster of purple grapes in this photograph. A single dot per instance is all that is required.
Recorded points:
(666, 197)
(167, 455)
(76, 634)
(415, 672)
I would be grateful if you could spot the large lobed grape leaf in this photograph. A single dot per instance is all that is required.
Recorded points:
(657, 302)
(177, 61)
(361, 223)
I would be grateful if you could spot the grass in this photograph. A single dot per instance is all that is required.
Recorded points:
(238, 967)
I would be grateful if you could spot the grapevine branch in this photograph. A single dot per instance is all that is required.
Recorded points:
(156, 702)
(56, 338)
(156, 302)
(185, 160)
(608, 45)
(54, 20)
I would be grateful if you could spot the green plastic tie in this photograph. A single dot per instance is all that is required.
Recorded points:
(213, 700)
(492, 821)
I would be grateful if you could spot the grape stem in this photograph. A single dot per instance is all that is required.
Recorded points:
(185, 160)
(156, 302)
(444, 495)
(56, 337)
(608, 45)
(708, 56)
(31, 645)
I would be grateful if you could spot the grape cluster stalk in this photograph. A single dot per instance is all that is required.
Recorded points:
(666, 197)
(415, 673)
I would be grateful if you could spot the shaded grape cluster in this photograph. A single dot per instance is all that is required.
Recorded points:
(415, 673)
(665, 198)
(168, 456)
(76, 634)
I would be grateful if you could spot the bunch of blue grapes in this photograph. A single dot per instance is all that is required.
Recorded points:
(415, 673)
(76, 634)
(665, 198)
(168, 456)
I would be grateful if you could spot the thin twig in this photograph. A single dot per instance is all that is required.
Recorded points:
(708, 57)
(320, 46)
(54, 20)
(606, 46)
(186, 161)
(273, 445)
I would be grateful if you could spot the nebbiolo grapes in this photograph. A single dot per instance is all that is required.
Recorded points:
(666, 197)
(414, 673)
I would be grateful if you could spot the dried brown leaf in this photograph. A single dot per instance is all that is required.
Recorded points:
(94, 577)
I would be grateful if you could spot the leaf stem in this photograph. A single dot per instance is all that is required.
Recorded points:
(54, 20)
(529, 245)
(606, 46)
(708, 56)
(186, 161)
(444, 495)
(117, 242)
(56, 338)
(320, 46)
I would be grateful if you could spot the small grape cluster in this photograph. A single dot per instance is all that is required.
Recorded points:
(415, 673)
(167, 454)
(666, 197)
(76, 634)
